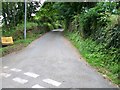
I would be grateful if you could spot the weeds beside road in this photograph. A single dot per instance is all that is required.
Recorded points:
(33, 32)
(94, 56)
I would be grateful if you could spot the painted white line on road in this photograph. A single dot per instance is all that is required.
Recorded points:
(19, 80)
(15, 70)
(37, 86)
(6, 75)
(30, 74)
(53, 82)
(5, 67)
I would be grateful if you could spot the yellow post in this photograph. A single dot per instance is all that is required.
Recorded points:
(6, 40)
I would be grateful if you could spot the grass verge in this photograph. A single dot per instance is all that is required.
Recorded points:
(33, 32)
(18, 45)
(95, 57)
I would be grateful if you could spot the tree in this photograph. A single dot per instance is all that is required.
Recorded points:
(13, 12)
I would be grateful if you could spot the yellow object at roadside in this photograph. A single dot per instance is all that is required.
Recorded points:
(6, 40)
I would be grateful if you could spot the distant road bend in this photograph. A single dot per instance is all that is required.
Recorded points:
(50, 62)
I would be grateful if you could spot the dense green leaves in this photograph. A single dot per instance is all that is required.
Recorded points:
(106, 63)
(13, 12)
(48, 17)
(99, 27)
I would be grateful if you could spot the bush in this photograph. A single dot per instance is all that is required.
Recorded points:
(18, 31)
(106, 62)
(100, 42)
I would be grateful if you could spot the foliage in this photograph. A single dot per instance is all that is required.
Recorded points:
(48, 17)
(33, 32)
(18, 32)
(14, 25)
(96, 33)
(97, 58)
(13, 12)
(68, 10)
(96, 18)
(18, 45)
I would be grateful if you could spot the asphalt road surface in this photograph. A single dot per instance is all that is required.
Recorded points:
(51, 61)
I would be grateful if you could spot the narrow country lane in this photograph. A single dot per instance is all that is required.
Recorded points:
(49, 62)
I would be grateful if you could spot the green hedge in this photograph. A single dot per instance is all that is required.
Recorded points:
(96, 56)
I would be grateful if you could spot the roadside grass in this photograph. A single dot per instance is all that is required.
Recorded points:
(93, 54)
(18, 45)
(33, 32)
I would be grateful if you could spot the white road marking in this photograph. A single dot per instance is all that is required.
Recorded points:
(5, 75)
(15, 70)
(19, 80)
(5, 67)
(37, 86)
(31, 74)
(53, 82)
